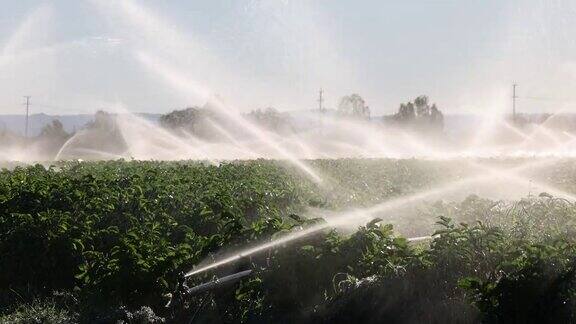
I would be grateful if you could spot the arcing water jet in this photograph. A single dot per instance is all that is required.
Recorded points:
(357, 218)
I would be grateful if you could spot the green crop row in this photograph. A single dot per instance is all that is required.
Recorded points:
(101, 240)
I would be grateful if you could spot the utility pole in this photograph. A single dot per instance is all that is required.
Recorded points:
(27, 114)
(514, 97)
(320, 99)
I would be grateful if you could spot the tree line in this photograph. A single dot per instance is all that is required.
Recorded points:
(208, 123)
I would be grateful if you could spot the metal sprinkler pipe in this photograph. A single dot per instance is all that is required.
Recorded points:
(218, 282)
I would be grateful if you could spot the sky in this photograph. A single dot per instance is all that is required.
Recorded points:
(155, 56)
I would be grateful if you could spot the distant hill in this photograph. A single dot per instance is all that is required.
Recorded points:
(16, 123)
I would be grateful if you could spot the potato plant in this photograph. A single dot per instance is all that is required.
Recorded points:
(116, 236)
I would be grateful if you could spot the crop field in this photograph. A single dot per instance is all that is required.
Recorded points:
(293, 161)
(109, 241)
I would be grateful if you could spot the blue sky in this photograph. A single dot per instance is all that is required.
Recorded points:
(154, 56)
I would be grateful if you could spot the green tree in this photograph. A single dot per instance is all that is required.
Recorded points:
(54, 130)
(355, 106)
(420, 115)
(270, 119)
(185, 118)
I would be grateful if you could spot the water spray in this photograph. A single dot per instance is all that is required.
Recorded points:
(358, 217)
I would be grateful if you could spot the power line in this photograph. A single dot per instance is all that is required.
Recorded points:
(548, 99)
(58, 109)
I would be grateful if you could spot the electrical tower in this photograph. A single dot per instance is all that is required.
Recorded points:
(27, 114)
(320, 100)
(514, 97)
